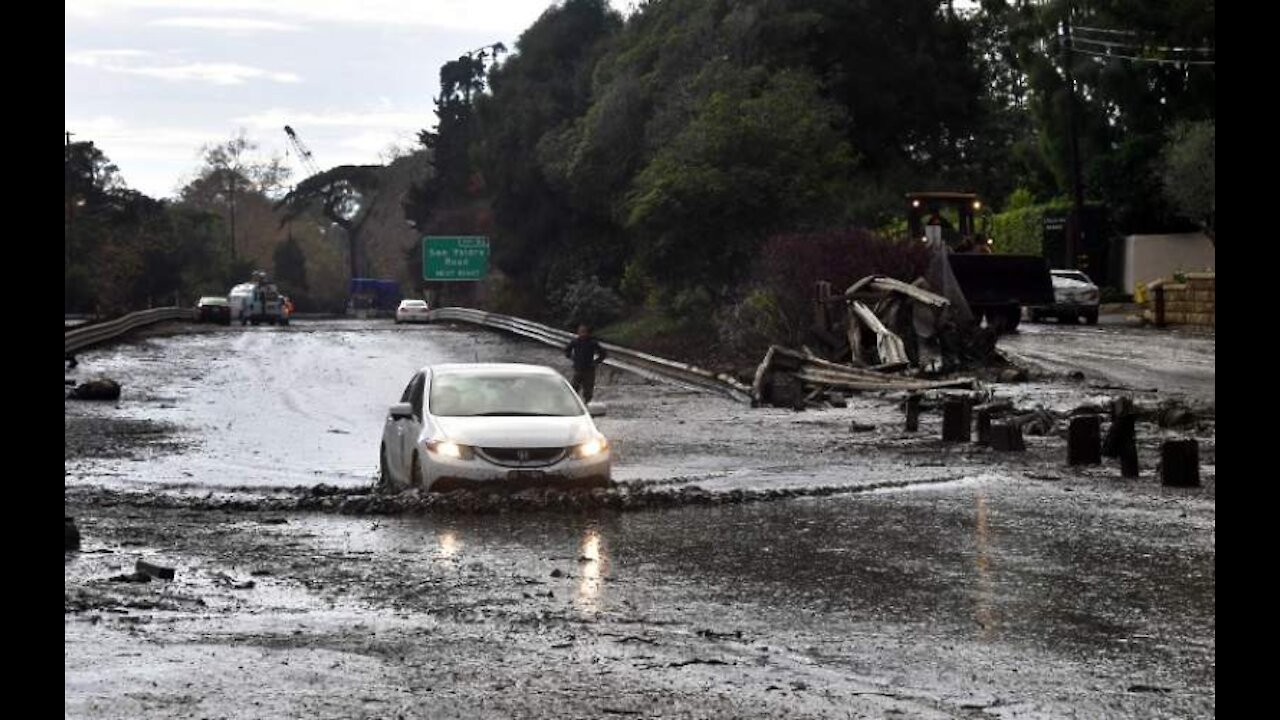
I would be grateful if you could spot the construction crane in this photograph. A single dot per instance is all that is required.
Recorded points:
(304, 155)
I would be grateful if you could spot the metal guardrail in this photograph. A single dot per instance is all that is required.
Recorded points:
(643, 364)
(83, 337)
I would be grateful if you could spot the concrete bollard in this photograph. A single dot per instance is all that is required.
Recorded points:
(957, 421)
(1007, 437)
(913, 413)
(983, 420)
(1084, 440)
(1180, 463)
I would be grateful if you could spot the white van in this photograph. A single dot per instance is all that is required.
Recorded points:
(241, 300)
(257, 303)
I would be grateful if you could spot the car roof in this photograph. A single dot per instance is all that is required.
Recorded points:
(213, 298)
(415, 302)
(489, 369)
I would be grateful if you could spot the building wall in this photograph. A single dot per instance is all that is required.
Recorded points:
(1150, 257)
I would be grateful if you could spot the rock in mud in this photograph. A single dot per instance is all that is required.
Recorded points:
(156, 571)
(100, 389)
(70, 534)
(1173, 414)
(1012, 375)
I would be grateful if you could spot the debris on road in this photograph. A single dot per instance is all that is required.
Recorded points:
(99, 389)
(70, 534)
(227, 581)
(879, 334)
(153, 570)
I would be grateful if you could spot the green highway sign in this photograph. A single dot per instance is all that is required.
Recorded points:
(455, 258)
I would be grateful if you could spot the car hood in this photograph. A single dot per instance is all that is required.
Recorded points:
(517, 432)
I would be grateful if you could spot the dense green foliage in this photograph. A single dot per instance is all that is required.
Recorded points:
(658, 153)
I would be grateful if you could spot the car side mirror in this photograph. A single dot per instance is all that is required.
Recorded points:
(597, 409)
(401, 411)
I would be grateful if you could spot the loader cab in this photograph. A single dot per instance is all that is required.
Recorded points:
(962, 217)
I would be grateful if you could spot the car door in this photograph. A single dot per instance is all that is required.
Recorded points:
(393, 436)
(411, 428)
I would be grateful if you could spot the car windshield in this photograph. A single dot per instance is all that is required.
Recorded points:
(1072, 275)
(413, 303)
(458, 395)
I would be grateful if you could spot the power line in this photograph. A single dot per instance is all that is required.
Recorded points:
(1158, 61)
(1133, 46)
(1078, 28)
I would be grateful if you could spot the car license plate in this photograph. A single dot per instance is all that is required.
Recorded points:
(526, 475)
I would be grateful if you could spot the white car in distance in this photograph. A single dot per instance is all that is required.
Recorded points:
(1075, 297)
(412, 311)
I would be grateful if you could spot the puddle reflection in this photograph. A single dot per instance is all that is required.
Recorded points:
(592, 557)
(984, 610)
(449, 544)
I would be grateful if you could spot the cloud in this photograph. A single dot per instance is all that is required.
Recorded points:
(97, 58)
(277, 118)
(215, 73)
(477, 15)
(229, 24)
(117, 138)
(120, 61)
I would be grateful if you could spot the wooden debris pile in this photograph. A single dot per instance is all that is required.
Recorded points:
(880, 334)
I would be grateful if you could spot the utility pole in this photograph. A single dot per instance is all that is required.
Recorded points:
(71, 203)
(231, 175)
(1076, 222)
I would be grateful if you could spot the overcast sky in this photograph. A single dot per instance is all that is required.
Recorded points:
(151, 81)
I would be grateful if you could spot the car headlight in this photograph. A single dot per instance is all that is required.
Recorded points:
(591, 448)
(449, 449)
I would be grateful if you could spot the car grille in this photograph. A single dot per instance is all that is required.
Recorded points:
(523, 457)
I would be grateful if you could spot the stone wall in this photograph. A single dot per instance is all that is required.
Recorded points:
(1185, 303)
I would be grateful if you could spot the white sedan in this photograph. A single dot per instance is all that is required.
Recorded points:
(503, 426)
(1074, 296)
(412, 311)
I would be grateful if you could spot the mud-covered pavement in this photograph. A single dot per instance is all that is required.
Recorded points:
(754, 563)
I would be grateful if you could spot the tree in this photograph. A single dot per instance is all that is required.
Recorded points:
(763, 154)
(452, 177)
(523, 140)
(291, 265)
(345, 195)
(228, 173)
(1188, 173)
(1139, 68)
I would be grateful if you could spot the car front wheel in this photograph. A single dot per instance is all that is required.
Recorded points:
(384, 473)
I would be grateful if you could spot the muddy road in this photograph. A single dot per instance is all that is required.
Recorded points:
(753, 563)
(1176, 362)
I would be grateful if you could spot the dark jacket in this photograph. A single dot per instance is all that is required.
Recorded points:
(585, 352)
